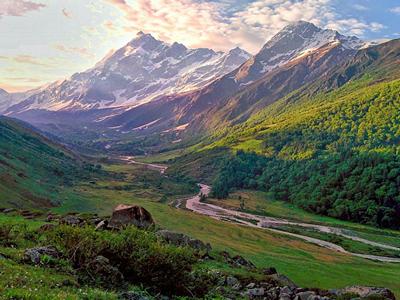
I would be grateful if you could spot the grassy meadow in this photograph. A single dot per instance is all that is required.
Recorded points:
(306, 264)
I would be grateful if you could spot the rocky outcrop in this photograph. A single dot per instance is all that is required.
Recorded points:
(182, 240)
(237, 260)
(124, 215)
(367, 292)
(35, 255)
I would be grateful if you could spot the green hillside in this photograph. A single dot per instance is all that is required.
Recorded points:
(33, 170)
(331, 150)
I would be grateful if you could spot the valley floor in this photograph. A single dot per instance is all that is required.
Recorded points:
(304, 262)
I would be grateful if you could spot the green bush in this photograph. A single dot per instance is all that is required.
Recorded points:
(138, 255)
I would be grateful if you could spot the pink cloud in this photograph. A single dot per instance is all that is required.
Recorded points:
(17, 8)
(75, 50)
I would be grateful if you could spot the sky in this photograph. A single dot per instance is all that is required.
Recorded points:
(42, 41)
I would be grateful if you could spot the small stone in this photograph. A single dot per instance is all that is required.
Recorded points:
(102, 225)
(284, 297)
(132, 296)
(304, 295)
(251, 285)
(269, 271)
(255, 292)
(286, 290)
(231, 281)
(71, 220)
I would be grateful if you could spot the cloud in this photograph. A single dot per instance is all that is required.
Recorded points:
(74, 50)
(395, 10)
(27, 60)
(25, 79)
(221, 26)
(66, 13)
(360, 7)
(17, 8)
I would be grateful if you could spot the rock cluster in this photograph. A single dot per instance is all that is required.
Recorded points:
(272, 289)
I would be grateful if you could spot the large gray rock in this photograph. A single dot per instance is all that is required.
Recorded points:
(180, 239)
(34, 255)
(124, 215)
(367, 291)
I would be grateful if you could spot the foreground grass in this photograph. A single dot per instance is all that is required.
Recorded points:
(306, 264)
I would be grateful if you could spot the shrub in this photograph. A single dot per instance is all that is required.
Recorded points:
(138, 255)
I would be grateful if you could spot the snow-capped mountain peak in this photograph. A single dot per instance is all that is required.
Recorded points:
(140, 71)
(293, 40)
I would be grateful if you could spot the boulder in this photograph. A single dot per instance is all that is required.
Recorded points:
(180, 239)
(101, 268)
(124, 215)
(8, 210)
(34, 255)
(368, 291)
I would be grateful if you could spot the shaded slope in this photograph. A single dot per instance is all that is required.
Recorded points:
(32, 168)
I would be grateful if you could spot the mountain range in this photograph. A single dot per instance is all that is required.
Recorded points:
(149, 86)
(137, 73)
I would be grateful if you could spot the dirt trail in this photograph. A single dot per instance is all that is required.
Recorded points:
(263, 222)
(256, 221)
(156, 167)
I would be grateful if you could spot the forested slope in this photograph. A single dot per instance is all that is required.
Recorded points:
(331, 147)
